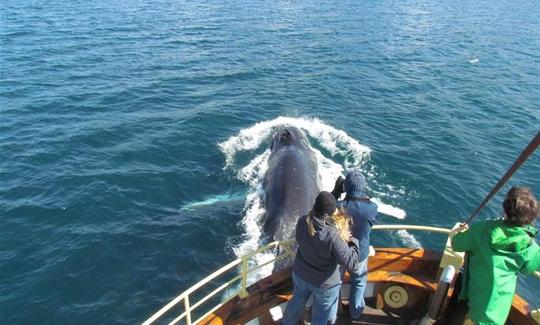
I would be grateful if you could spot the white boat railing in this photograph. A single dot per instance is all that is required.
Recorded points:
(243, 262)
(284, 250)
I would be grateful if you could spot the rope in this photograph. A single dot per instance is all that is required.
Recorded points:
(527, 152)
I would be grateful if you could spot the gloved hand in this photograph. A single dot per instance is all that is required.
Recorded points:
(339, 187)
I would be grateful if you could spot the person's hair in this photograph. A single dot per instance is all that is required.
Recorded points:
(343, 223)
(520, 207)
(309, 221)
(338, 219)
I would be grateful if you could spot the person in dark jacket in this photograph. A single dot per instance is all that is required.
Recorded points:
(363, 213)
(315, 267)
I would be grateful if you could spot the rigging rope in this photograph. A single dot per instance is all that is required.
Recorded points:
(527, 152)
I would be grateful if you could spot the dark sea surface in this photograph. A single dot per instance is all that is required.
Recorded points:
(111, 113)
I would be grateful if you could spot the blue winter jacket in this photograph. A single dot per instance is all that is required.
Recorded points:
(363, 213)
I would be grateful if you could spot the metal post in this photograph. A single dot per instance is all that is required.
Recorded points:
(188, 310)
(243, 292)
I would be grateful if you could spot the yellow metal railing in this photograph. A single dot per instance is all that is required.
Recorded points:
(285, 251)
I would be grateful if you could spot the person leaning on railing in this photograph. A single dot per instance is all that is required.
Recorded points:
(497, 251)
(315, 269)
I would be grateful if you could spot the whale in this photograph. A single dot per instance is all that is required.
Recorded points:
(291, 183)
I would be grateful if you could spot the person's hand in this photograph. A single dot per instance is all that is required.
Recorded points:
(462, 227)
(458, 229)
(339, 187)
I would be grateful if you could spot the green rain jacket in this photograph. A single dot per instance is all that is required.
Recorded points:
(496, 253)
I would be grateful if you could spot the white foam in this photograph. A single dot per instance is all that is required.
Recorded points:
(334, 140)
(340, 145)
(253, 174)
(408, 239)
(389, 210)
(329, 171)
(213, 200)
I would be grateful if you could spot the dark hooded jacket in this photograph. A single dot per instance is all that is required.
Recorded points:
(497, 252)
(318, 256)
(362, 211)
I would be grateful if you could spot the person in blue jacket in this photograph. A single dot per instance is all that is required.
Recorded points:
(363, 213)
(315, 269)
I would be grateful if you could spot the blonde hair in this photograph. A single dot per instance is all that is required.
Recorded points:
(309, 221)
(342, 222)
(338, 219)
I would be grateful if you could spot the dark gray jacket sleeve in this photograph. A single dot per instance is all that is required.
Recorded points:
(345, 253)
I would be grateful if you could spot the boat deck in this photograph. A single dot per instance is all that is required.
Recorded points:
(401, 285)
(372, 316)
(455, 314)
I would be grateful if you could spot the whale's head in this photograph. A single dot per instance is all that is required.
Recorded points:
(287, 137)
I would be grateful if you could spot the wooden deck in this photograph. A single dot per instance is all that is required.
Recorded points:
(372, 316)
(414, 270)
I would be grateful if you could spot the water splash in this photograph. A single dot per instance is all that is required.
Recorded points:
(389, 210)
(407, 239)
(252, 174)
(338, 143)
(220, 198)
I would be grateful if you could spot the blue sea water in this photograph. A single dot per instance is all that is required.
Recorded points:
(115, 195)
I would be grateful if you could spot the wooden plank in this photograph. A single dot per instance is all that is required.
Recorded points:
(244, 315)
(411, 261)
(263, 295)
(405, 260)
(404, 279)
(266, 318)
(519, 313)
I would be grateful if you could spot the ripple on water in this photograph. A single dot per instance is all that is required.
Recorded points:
(111, 112)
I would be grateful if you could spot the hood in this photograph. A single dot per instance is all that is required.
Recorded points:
(504, 238)
(317, 221)
(355, 183)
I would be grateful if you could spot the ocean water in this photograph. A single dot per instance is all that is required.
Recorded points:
(133, 134)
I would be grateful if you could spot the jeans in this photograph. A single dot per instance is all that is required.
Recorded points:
(358, 285)
(325, 303)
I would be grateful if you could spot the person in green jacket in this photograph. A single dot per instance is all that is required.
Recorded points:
(497, 251)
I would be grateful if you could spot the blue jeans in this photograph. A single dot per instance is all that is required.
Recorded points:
(358, 286)
(325, 303)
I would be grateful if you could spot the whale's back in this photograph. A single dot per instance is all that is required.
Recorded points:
(291, 185)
